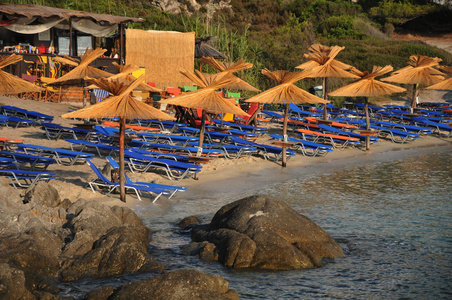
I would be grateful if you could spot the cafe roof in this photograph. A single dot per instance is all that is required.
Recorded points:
(31, 11)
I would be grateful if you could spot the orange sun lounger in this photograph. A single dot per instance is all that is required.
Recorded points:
(343, 140)
(133, 127)
(335, 124)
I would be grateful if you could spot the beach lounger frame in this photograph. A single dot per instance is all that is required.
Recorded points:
(267, 151)
(26, 179)
(103, 182)
(170, 188)
(61, 156)
(307, 148)
(174, 170)
(111, 150)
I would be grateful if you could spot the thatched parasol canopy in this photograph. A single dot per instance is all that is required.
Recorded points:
(10, 84)
(286, 92)
(419, 71)
(227, 66)
(67, 60)
(77, 75)
(442, 85)
(124, 76)
(122, 106)
(206, 98)
(368, 86)
(322, 64)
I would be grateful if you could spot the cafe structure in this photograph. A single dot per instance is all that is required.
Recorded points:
(40, 33)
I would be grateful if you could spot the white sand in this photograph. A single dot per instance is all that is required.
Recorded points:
(218, 176)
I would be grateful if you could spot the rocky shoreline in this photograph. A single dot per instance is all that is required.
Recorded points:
(46, 241)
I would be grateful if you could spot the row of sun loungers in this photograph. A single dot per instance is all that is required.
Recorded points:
(166, 147)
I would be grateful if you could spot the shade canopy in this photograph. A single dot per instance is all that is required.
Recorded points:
(442, 85)
(77, 75)
(206, 97)
(320, 55)
(419, 71)
(122, 105)
(10, 84)
(286, 91)
(124, 77)
(368, 86)
(227, 66)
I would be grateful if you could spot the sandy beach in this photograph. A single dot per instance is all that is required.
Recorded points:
(218, 176)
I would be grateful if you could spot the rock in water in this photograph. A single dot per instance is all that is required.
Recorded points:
(265, 233)
(180, 284)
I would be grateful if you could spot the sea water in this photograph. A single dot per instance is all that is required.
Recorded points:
(392, 217)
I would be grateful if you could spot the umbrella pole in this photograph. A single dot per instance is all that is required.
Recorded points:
(84, 93)
(413, 99)
(122, 176)
(325, 113)
(201, 133)
(286, 116)
(366, 109)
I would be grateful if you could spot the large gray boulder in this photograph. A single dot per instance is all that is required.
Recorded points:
(44, 239)
(177, 285)
(265, 233)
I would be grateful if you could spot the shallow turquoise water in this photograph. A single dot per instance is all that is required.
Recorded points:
(392, 218)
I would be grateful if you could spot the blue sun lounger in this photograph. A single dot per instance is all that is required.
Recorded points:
(441, 129)
(103, 182)
(274, 116)
(26, 179)
(61, 156)
(175, 149)
(112, 150)
(9, 110)
(307, 148)
(298, 112)
(6, 162)
(334, 130)
(175, 157)
(170, 188)
(172, 139)
(56, 131)
(174, 170)
(410, 128)
(395, 135)
(230, 151)
(243, 127)
(28, 161)
(267, 151)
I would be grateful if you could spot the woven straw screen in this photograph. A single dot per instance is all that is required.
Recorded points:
(163, 54)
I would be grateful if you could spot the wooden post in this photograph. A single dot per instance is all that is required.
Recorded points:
(70, 37)
(286, 116)
(201, 132)
(366, 109)
(325, 113)
(122, 177)
(121, 46)
(413, 99)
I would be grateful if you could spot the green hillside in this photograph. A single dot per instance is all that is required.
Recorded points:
(275, 34)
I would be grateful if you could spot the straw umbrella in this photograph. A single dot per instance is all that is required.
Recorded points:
(206, 98)
(368, 86)
(204, 49)
(323, 65)
(76, 76)
(229, 68)
(286, 92)
(122, 106)
(10, 84)
(419, 71)
(445, 84)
